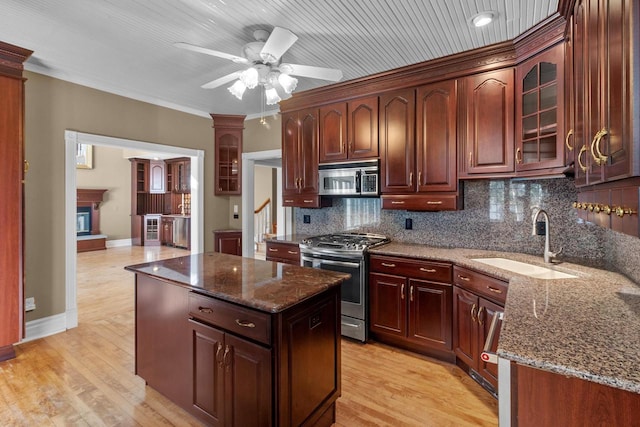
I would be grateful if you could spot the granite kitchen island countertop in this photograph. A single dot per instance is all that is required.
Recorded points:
(262, 285)
(587, 327)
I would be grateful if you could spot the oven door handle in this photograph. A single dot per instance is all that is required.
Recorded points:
(342, 263)
(487, 355)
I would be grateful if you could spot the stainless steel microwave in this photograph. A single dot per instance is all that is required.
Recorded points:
(350, 179)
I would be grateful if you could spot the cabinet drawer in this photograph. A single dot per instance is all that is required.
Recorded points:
(418, 269)
(242, 321)
(283, 251)
(419, 202)
(481, 284)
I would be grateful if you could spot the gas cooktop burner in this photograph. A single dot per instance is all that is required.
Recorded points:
(345, 241)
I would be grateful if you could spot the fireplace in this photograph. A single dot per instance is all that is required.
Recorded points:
(88, 233)
(83, 221)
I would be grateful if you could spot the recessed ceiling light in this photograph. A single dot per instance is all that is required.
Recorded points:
(483, 18)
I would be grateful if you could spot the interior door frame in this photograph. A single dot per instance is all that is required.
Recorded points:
(284, 215)
(72, 138)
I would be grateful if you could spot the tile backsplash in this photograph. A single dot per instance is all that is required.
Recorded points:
(496, 216)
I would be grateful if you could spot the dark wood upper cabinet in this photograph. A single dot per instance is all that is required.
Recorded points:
(300, 158)
(349, 130)
(487, 148)
(436, 136)
(228, 154)
(540, 136)
(605, 48)
(333, 132)
(397, 141)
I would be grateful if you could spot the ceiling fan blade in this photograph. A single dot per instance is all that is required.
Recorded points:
(330, 74)
(222, 80)
(277, 44)
(234, 58)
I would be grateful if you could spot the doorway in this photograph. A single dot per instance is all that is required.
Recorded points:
(284, 216)
(73, 138)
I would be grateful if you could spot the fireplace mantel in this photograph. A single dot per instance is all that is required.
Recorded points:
(91, 197)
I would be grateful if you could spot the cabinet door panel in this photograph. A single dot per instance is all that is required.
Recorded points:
(247, 368)
(581, 148)
(333, 133)
(430, 313)
(465, 335)
(490, 114)
(436, 137)
(309, 151)
(388, 304)
(290, 153)
(362, 128)
(397, 141)
(208, 397)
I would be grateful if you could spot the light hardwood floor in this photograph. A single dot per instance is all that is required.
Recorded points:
(84, 377)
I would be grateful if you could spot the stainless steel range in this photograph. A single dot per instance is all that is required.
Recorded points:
(345, 252)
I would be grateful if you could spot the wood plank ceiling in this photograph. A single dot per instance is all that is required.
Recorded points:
(126, 46)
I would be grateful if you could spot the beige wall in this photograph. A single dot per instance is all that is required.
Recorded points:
(51, 106)
(113, 172)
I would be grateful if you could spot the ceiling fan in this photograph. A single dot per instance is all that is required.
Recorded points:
(266, 69)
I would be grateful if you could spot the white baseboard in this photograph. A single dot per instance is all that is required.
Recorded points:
(44, 327)
(118, 243)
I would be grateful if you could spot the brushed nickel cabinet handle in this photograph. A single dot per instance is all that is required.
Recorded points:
(288, 200)
(470, 159)
(308, 201)
(397, 202)
(292, 252)
(428, 270)
(494, 290)
(245, 323)
(384, 264)
(434, 202)
(273, 250)
(411, 293)
(410, 179)
(466, 279)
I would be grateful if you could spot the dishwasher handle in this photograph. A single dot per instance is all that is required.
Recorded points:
(487, 355)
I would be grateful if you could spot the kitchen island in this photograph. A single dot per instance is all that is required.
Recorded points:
(240, 342)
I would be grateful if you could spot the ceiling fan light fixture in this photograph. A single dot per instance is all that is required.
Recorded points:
(271, 95)
(237, 89)
(287, 82)
(250, 77)
(483, 18)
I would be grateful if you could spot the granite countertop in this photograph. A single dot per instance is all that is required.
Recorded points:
(262, 285)
(587, 327)
(289, 238)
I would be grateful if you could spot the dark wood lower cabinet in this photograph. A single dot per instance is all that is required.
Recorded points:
(408, 310)
(231, 378)
(228, 241)
(231, 365)
(472, 318)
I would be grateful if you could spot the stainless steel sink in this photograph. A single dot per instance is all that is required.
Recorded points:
(525, 269)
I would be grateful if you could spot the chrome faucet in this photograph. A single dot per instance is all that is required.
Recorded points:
(548, 255)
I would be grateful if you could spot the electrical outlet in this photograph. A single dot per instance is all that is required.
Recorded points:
(306, 219)
(29, 304)
(408, 224)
